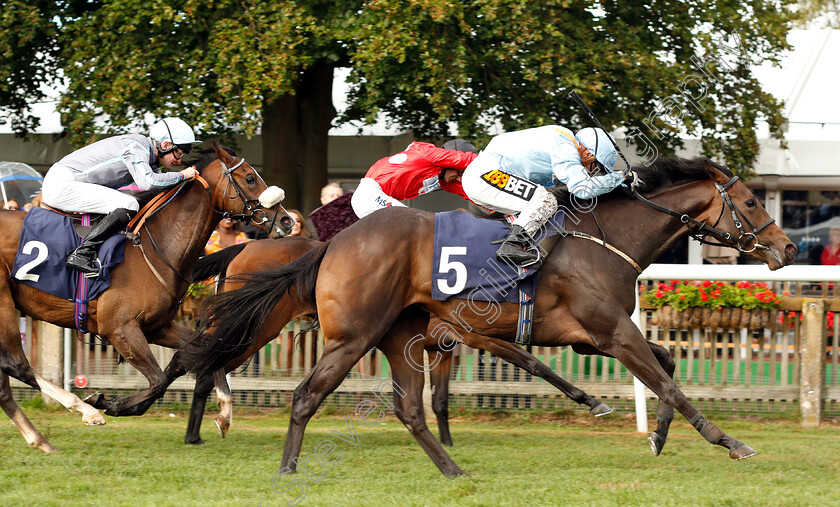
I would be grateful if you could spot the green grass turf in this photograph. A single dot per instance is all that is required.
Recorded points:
(520, 459)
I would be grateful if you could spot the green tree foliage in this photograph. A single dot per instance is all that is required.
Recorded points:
(427, 64)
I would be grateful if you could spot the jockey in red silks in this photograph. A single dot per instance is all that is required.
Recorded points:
(420, 169)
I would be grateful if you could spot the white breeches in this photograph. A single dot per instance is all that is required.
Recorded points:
(497, 190)
(62, 192)
(369, 197)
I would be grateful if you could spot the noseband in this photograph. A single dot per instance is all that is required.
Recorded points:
(702, 229)
(249, 206)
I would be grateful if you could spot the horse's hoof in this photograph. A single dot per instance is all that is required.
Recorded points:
(222, 427)
(96, 419)
(194, 442)
(600, 409)
(742, 451)
(656, 443)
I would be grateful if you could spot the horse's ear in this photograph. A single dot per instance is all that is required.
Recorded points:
(222, 154)
(714, 173)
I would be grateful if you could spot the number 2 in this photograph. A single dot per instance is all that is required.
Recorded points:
(23, 273)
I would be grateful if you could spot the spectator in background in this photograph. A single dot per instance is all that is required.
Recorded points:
(331, 192)
(831, 253)
(11, 204)
(299, 229)
(226, 234)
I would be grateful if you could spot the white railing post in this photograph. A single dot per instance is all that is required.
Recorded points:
(639, 388)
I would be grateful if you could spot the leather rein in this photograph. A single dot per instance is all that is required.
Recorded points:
(701, 229)
(160, 201)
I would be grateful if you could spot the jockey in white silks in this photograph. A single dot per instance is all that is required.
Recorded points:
(511, 173)
(86, 181)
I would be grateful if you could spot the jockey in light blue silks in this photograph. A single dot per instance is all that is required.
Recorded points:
(511, 173)
(86, 181)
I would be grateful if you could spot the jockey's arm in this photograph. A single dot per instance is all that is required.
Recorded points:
(136, 159)
(449, 159)
(567, 168)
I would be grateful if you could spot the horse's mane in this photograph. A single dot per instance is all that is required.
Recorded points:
(663, 172)
(200, 160)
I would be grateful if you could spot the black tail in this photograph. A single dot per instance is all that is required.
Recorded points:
(232, 320)
(216, 263)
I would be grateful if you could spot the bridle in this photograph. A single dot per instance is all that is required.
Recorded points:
(249, 210)
(701, 229)
(250, 206)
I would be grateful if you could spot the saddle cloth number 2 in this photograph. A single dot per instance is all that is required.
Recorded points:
(42, 253)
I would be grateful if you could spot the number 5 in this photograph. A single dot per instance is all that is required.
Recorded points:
(446, 266)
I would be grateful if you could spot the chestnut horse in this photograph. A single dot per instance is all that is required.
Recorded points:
(139, 307)
(256, 255)
(373, 281)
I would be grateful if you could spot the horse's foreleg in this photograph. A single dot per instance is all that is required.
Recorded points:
(409, 408)
(90, 415)
(664, 412)
(523, 359)
(201, 392)
(32, 436)
(225, 417)
(629, 346)
(131, 343)
(439, 378)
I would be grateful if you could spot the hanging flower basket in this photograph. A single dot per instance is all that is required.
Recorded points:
(716, 305)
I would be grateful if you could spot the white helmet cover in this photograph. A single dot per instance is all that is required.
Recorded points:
(598, 142)
(174, 130)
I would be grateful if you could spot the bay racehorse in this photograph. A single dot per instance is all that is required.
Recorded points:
(146, 289)
(373, 281)
(235, 261)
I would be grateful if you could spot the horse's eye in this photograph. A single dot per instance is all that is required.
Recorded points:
(751, 203)
(250, 180)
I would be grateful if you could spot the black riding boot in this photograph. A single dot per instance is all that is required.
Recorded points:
(517, 248)
(83, 258)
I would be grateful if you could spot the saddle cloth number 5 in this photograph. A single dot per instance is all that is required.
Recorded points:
(447, 265)
(23, 273)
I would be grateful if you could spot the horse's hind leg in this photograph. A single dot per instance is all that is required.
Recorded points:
(409, 408)
(32, 436)
(340, 355)
(439, 378)
(225, 417)
(201, 392)
(90, 415)
(521, 358)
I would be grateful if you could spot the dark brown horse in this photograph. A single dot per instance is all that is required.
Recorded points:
(373, 281)
(260, 255)
(138, 308)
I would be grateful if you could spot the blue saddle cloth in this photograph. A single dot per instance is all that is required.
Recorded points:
(465, 264)
(46, 240)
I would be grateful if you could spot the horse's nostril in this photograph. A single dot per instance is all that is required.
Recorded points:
(791, 249)
(287, 221)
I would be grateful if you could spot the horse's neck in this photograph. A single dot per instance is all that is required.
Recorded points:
(182, 228)
(642, 232)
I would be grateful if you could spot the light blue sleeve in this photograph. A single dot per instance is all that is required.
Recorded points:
(567, 169)
(591, 186)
